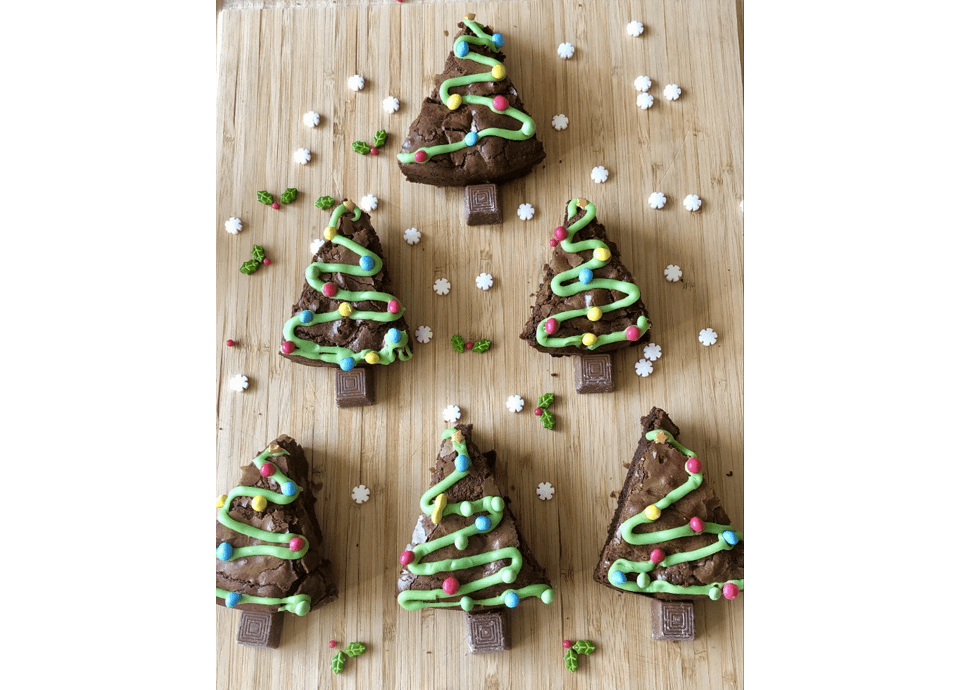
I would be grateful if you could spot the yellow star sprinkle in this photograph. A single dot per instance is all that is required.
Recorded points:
(273, 448)
(660, 437)
(469, 17)
(349, 205)
(458, 436)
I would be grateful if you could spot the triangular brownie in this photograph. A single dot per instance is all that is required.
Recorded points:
(466, 551)
(269, 544)
(587, 302)
(473, 128)
(670, 538)
(346, 315)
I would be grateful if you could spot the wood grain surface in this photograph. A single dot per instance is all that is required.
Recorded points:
(274, 65)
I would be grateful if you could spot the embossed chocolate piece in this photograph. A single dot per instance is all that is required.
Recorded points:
(672, 620)
(483, 204)
(355, 388)
(488, 632)
(593, 373)
(259, 629)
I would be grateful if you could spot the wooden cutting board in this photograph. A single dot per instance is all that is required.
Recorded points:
(274, 65)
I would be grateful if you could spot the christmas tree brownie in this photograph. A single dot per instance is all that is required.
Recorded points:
(346, 316)
(670, 538)
(269, 545)
(466, 551)
(587, 303)
(472, 129)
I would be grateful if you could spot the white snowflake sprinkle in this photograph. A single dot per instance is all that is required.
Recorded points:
(672, 273)
(239, 383)
(356, 82)
(599, 174)
(652, 351)
(411, 235)
(484, 281)
(692, 202)
(515, 403)
(311, 118)
(644, 101)
(369, 203)
(642, 83)
(424, 334)
(391, 104)
(635, 28)
(526, 211)
(741, 205)
(708, 336)
(441, 286)
(566, 50)
(657, 200)
(316, 244)
(451, 413)
(545, 491)
(302, 156)
(233, 225)
(560, 121)
(644, 368)
(671, 92)
(361, 494)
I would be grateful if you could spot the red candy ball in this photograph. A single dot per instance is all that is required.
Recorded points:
(730, 590)
(657, 555)
(393, 306)
(287, 346)
(538, 411)
(374, 151)
(332, 643)
(500, 103)
(267, 469)
(633, 333)
(275, 204)
(551, 326)
(296, 544)
(406, 558)
(266, 262)
(230, 343)
(696, 524)
(329, 289)
(420, 156)
(560, 233)
(567, 644)
(450, 585)
(553, 243)
(693, 466)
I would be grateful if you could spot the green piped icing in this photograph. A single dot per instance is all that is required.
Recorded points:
(390, 352)
(297, 603)
(562, 288)
(648, 585)
(494, 506)
(527, 126)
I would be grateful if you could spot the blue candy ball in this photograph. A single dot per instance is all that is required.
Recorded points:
(288, 488)
(511, 599)
(471, 138)
(393, 335)
(460, 49)
(347, 363)
(730, 537)
(306, 316)
(482, 523)
(463, 463)
(366, 263)
(586, 275)
(618, 578)
(225, 551)
(231, 600)
(497, 40)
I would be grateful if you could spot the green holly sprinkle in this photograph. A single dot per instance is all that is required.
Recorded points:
(361, 147)
(570, 660)
(289, 194)
(355, 649)
(248, 267)
(265, 197)
(380, 138)
(458, 343)
(547, 419)
(338, 660)
(584, 647)
(481, 345)
(258, 253)
(545, 400)
(324, 202)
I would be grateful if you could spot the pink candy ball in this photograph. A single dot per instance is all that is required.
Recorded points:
(420, 156)
(560, 233)
(567, 644)
(450, 585)
(538, 411)
(393, 306)
(287, 347)
(469, 346)
(730, 590)
(267, 469)
(553, 243)
(332, 643)
(693, 466)
(296, 544)
(406, 558)
(275, 205)
(657, 555)
(696, 524)
(230, 343)
(633, 333)
(500, 103)
(551, 326)
(266, 262)
(374, 151)
(329, 289)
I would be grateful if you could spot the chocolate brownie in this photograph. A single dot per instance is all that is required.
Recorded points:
(621, 324)
(658, 468)
(492, 158)
(255, 576)
(478, 483)
(355, 335)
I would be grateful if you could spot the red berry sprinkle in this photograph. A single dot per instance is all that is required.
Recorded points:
(276, 205)
(470, 346)
(374, 151)
(567, 644)
(538, 411)
(266, 262)
(231, 343)
(332, 643)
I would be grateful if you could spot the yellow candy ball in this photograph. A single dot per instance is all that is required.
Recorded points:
(498, 72)
(372, 358)
(601, 253)
(454, 101)
(589, 339)
(259, 503)
(329, 233)
(345, 309)
(221, 500)
(652, 512)
(594, 313)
